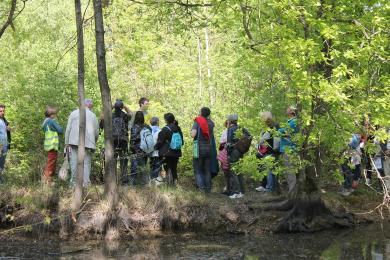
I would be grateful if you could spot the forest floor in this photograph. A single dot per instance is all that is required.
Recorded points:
(145, 211)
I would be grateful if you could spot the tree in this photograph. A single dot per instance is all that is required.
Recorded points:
(78, 189)
(314, 52)
(110, 165)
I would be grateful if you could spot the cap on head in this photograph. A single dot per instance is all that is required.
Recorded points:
(118, 105)
(232, 117)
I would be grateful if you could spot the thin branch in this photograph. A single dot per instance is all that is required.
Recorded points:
(187, 5)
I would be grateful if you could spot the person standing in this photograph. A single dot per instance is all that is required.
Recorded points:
(287, 146)
(169, 143)
(72, 140)
(52, 129)
(203, 133)
(155, 160)
(268, 147)
(138, 163)
(120, 133)
(237, 185)
(4, 144)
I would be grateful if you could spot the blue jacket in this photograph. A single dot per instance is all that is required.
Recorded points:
(53, 125)
(287, 133)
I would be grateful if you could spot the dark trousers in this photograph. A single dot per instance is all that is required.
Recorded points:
(170, 163)
(237, 182)
(202, 167)
(155, 165)
(121, 148)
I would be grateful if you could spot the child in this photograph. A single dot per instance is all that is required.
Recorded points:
(51, 129)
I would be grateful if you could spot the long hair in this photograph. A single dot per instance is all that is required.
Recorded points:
(139, 118)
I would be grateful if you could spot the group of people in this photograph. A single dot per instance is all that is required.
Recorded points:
(360, 158)
(139, 138)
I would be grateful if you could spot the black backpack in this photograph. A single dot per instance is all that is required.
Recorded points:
(119, 127)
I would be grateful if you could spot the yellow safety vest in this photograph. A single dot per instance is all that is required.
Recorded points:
(51, 140)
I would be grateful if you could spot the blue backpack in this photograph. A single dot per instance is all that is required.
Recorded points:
(176, 141)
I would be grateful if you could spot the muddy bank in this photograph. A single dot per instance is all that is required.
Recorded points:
(152, 211)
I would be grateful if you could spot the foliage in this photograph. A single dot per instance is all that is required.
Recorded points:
(328, 57)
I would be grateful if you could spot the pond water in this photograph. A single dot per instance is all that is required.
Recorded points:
(369, 242)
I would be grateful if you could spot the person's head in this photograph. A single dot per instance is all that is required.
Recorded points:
(143, 103)
(118, 105)
(291, 112)
(139, 118)
(169, 118)
(233, 119)
(2, 110)
(50, 112)
(267, 118)
(88, 103)
(205, 112)
(155, 121)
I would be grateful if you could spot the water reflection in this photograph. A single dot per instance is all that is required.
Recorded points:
(370, 242)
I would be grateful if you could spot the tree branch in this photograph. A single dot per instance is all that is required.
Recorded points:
(9, 19)
(184, 4)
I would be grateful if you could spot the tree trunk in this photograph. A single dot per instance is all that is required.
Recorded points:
(78, 192)
(109, 166)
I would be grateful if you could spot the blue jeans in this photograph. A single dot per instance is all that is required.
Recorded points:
(271, 181)
(202, 168)
(155, 165)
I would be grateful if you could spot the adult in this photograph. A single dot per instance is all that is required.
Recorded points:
(52, 129)
(288, 146)
(237, 180)
(120, 133)
(72, 140)
(165, 142)
(4, 144)
(138, 163)
(267, 148)
(143, 103)
(203, 134)
(155, 160)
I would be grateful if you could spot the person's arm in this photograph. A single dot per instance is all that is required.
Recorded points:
(194, 130)
(127, 109)
(181, 134)
(68, 128)
(56, 126)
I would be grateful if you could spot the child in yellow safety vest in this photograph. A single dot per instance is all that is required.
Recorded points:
(52, 129)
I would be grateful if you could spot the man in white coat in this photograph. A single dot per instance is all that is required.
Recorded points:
(72, 140)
